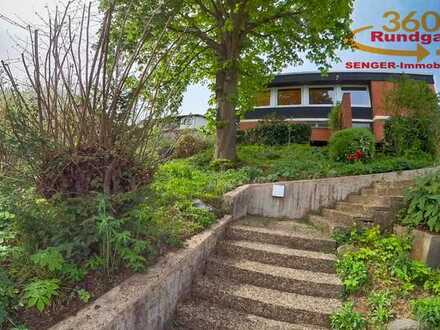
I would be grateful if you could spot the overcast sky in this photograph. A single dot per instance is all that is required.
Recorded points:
(367, 12)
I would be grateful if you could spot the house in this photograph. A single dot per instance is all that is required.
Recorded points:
(309, 98)
(191, 121)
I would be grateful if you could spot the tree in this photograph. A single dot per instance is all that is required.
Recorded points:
(239, 43)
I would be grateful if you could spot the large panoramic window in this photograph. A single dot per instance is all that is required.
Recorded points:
(321, 95)
(262, 99)
(291, 96)
(359, 95)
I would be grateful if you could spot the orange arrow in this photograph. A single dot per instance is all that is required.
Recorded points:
(420, 53)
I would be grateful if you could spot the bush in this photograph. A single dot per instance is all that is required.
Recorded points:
(403, 135)
(416, 123)
(189, 144)
(352, 144)
(427, 312)
(335, 118)
(348, 319)
(424, 204)
(277, 132)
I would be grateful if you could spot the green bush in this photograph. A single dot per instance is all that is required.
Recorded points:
(352, 144)
(404, 135)
(335, 118)
(277, 132)
(424, 203)
(189, 144)
(427, 312)
(416, 117)
(348, 319)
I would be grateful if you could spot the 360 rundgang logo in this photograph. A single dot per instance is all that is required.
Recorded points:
(417, 34)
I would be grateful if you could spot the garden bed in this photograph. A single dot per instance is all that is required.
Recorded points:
(383, 283)
(87, 245)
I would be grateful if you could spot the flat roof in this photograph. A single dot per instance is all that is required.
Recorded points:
(316, 78)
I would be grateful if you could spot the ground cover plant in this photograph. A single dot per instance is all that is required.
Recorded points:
(382, 283)
(423, 204)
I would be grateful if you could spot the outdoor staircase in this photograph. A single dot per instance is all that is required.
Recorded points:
(376, 205)
(280, 274)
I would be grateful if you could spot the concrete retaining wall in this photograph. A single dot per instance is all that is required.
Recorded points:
(304, 196)
(148, 301)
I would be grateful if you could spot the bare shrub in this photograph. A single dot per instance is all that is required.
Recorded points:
(90, 113)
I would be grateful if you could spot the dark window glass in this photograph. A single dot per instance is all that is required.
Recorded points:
(262, 99)
(321, 95)
(289, 96)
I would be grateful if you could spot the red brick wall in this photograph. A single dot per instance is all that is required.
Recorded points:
(321, 134)
(379, 91)
(347, 114)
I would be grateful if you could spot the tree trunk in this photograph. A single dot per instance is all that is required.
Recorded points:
(226, 119)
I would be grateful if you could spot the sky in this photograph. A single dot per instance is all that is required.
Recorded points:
(366, 12)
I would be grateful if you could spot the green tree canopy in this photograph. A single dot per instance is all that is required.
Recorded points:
(237, 44)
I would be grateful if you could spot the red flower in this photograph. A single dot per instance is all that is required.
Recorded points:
(357, 155)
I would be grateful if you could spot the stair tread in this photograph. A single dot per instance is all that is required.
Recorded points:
(350, 214)
(375, 204)
(278, 271)
(271, 248)
(266, 296)
(315, 235)
(224, 318)
(286, 227)
(324, 219)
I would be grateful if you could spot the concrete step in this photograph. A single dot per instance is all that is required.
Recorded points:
(303, 240)
(386, 201)
(275, 277)
(326, 225)
(267, 303)
(278, 255)
(346, 218)
(200, 315)
(395, 184)
(368, 209)
(382, 191)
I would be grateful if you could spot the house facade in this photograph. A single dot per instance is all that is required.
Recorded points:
(191, 121)
(309, 97)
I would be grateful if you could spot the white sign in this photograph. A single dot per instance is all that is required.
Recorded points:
(278, 190)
